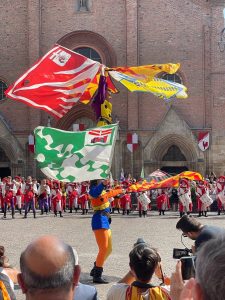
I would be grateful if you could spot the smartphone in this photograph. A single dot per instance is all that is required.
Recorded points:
(188, 267)
(178, 253)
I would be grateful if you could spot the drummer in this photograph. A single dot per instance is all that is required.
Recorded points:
(203, 198)
(184, 194)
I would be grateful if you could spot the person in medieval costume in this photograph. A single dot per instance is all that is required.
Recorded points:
(184, 194)
(144, 202)
(162, 201)
(101, 224)
(84, 202)
(56, 199)
(8, 196)
(30, 190)
(125, 202)
(220, 190)
(203, 198)
(19, 193)
(73, 198)
(43, 194)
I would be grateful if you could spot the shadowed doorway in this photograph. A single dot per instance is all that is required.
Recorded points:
(174, 161)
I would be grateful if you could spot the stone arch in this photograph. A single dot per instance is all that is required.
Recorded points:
(85, 38)
(9, 143)
(78, 111)
(166, 142)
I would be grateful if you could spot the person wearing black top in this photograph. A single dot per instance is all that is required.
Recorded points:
(193, 229)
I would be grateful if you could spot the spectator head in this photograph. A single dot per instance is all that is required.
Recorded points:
(48, 270)
(143, 261)
(210, 270)
(189, 226)
(2, 256)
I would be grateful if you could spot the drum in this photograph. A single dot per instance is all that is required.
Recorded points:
(185, 199)
(206, 200)
(221, 197)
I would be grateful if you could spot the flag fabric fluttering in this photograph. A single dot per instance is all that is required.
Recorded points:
(56, 82)
(157, 86)
(158, 175)
(75, 156)
(148, 72)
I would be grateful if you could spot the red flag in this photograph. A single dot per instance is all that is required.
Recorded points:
(56, 82)
(203, 140)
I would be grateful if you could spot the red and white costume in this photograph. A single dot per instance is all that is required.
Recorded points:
(143, 203)
(83, 200)
(184, 194)
(19, 192)
(220, 190)
(125, 203)
(203, 199)
(73, 198)
(56, 198)
(162, 201)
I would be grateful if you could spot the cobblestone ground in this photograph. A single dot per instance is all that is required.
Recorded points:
(159, 231)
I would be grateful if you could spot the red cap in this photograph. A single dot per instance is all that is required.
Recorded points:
(18, 178)
(5, 179)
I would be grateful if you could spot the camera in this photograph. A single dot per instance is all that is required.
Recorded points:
(179, 253)
(187, 267)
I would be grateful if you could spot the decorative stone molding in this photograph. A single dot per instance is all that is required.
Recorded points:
(84, 38)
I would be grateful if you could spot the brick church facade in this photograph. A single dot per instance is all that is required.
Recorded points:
(119, 33)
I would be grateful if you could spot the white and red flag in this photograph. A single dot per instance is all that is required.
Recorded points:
(56, 82)
(78, 127)
(132, 141)
(31, 143)
(203, 140)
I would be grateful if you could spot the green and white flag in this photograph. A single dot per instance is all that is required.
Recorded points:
(75, 156)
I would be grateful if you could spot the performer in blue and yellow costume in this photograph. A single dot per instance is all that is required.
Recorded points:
(101, 224)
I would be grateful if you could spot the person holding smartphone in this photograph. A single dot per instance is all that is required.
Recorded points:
(208, 283)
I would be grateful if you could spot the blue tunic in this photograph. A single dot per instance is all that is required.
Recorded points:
(99, 220)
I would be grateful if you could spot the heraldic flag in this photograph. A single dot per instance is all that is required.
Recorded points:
(56, 82)
(75, 156)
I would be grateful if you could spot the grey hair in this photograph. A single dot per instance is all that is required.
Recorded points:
(62, 279)
(210, 268)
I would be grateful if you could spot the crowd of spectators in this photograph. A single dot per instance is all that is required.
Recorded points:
(49, 269)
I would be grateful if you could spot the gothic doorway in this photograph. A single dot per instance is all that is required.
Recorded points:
(174, 161)
(4, 172)
(4, 164)
(174, 170)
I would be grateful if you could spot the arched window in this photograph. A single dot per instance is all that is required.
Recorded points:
(174, 154)
(89, 52)
(3, 88)
(172, 77)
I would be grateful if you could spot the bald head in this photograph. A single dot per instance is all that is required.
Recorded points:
(47, 263)
(46, 255)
